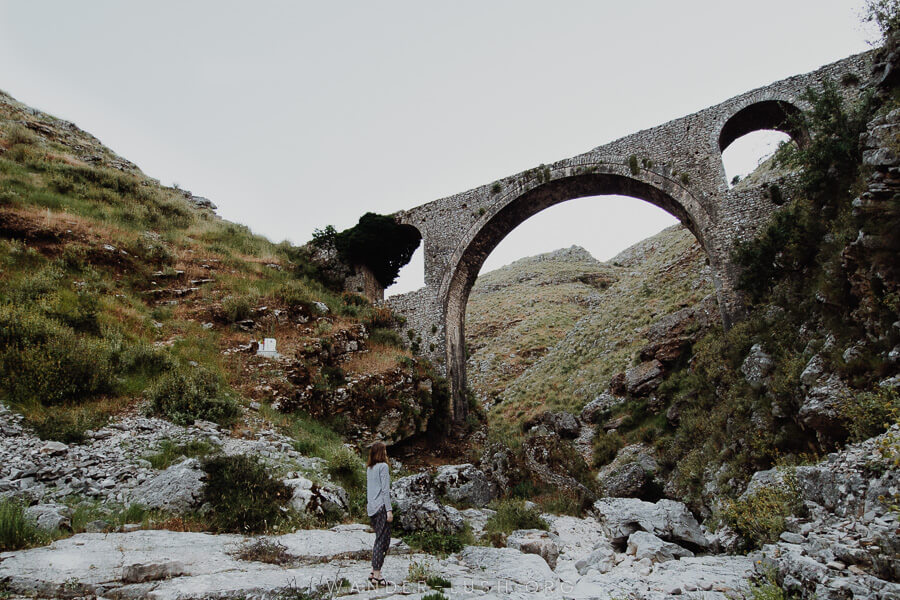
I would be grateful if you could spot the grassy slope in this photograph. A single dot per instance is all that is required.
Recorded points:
(569, 338)
(92, 250)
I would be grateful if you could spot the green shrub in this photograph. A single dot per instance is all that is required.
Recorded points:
(386, 337)
(434, 596)
(512, 514)
(169, 452)
(187, 394)
(380, 243)
(44, 362)
(237, 308)
(869, 413)
(17, 532)
(761, 517)
(242, 496)
(633, 165)
(605, 446)
(439, 544)
(437, 582)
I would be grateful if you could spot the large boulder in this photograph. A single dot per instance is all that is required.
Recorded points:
(561, 423)
(511, 565)
(315, 499)
(642, 544)
(553, 462)
(643, 378)
(820, 409)
(757, 367)
(602, 559)
(418, 508)
(49, 517)
(630, 474)
(177, 489)
(594, 410)
(466, 484)
(667, 519)
(535, 541)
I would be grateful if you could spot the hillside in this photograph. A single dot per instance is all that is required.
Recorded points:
(549, 332)
(152, 445)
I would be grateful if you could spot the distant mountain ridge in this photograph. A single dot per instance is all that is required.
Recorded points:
(550, 331)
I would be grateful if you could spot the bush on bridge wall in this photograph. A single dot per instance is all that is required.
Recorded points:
(378, 242)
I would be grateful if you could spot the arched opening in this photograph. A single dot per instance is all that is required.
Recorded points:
(565, 267)
(411, 276)
(749, 152)
(768, 114)
(473, 252)
(752, 134)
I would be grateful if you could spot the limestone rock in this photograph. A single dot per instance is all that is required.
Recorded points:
(596, 408)
(630, 474)
(139, 573)
(418, 508)
(646, 545)
(667, 519)
(176, 489)
(465, 483)
(318, 500)
(644, 378)
(602, 558)
(757, 367)
(511, 564)
(49, 517)
(820, 408)
(534, 541)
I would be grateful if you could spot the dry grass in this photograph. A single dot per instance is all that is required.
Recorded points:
(379, 359)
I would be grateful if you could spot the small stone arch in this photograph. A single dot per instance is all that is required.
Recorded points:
(605, 178)
(775, 114)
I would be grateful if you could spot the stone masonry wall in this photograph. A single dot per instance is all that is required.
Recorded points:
(676, 166)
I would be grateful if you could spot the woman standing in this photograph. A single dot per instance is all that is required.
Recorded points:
(378, 507)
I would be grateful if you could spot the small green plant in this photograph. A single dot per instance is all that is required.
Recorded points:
(242, 496)
(760, 517)
(17, 532)
(237, 308)
(439, 544)
(867, 414)
(512, 514)
(418, 571)
(169, 452)
(496, 188)
(765, 587)
(685, 179)
(190, 393)
(434, 596)
(437, 582)
(266, 550)
(633, 165)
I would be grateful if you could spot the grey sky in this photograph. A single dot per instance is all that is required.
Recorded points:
(294, 115)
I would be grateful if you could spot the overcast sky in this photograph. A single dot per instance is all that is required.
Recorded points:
(295, 115)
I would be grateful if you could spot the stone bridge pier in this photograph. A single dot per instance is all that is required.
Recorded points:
(676, 166)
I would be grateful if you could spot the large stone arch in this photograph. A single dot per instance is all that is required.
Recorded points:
(605, 177)
(676, 165)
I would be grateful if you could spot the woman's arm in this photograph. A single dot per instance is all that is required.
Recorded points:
(386, 487)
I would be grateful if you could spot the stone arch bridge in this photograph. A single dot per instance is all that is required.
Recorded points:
(676, 166)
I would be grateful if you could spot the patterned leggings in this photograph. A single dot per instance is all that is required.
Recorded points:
(382, 538)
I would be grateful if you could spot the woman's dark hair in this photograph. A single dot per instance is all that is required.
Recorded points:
(377, 454)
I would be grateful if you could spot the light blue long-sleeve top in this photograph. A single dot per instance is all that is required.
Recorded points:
(378, 488)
